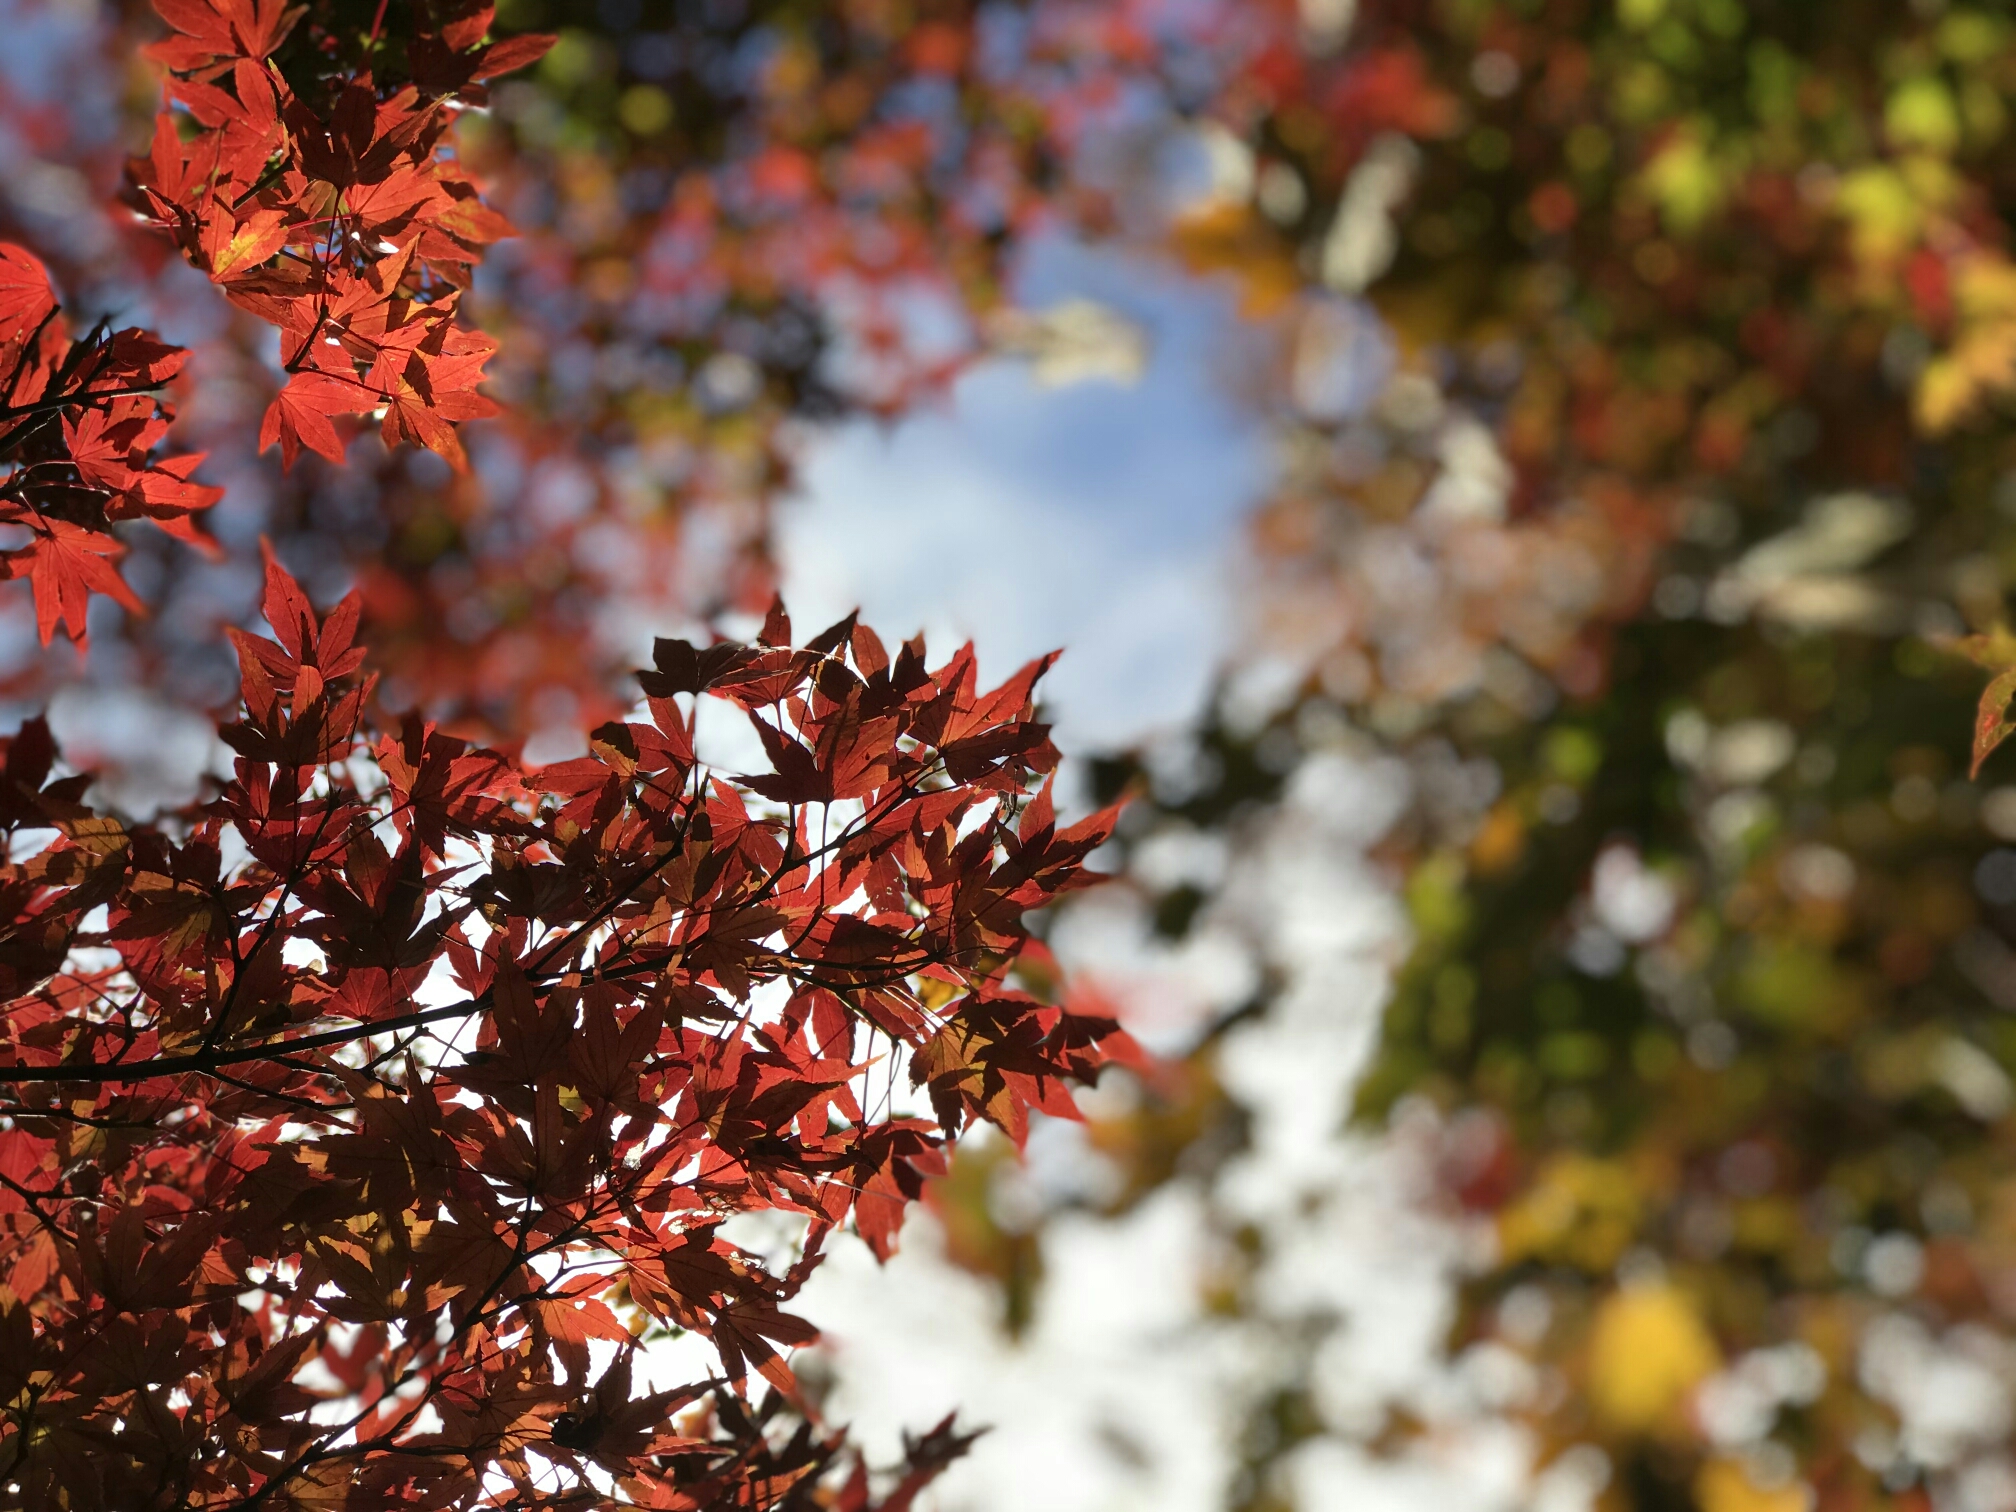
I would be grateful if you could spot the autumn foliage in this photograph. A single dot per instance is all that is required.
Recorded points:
(363, 1118)
(369, 1120)
(316, 195)
(1692, 451)
(81, 426)
(305, 181)
(1642, 377)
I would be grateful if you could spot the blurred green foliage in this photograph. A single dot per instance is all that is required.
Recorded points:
(1713, 968)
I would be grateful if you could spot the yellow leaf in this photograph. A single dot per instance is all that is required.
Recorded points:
(1996, 650)
(1985, 288)
(100, 835)
(1647, 1351)
(1228, 238)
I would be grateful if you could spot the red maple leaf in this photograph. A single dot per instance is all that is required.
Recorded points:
(66, 564)
(26, 299)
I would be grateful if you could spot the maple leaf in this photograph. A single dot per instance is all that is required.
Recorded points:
(167, 496)
(926, 1458)
(300, 414)
(26, 298)
(213, 31)
(892, 1163)
(230, 246)
(104, 442)
(512, 54)
(65, 564)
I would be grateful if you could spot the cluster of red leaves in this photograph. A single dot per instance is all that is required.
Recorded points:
(797, 209)
(312, 187)
(366, 1122)
(80, 424)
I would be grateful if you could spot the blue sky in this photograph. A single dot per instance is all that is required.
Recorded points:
(1100, 517)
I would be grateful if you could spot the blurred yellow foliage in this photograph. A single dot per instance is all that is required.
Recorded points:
(1581, 1210)
(1791, 986)
(1230, 238)
(1435, 898)
(1647, 1351)
(1725, 1486)
(1883, 214)
(1921, 113)
(1685, 181)
(1982, 359)
(1500, 839)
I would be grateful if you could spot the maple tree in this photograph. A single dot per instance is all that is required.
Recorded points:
(366, 1122)
(369, 1123)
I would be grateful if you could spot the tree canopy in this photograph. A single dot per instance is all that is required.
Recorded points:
(1641, 378)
